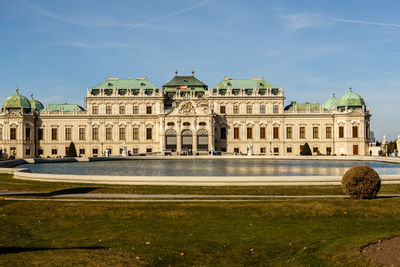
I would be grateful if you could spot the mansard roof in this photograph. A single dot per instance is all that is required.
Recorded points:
(303, 106)
(65, 107)
(115, 83)
(246, 84)
(190, 81)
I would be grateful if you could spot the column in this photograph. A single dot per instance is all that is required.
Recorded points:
(179, 142)
(194, 148)
(161, 134)
(211, 135)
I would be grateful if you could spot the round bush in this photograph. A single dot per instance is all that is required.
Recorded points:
(361, 182)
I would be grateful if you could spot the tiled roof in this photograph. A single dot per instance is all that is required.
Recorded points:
(125, 84)
(246, 84)
(65, 107)
(190, 81)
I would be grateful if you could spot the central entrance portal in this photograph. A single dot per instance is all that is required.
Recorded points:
(202, 140)
(170, 140)
(187, 140)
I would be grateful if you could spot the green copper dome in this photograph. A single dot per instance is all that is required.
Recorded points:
(16, 101)
(351, 99)
(332, 103)
(35, 104)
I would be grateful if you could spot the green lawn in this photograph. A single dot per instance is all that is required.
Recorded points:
(279, 233)
(10, 184)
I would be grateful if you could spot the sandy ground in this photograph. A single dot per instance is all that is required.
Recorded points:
(385, 252)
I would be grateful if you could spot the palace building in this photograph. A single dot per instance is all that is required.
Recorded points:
(184, 116)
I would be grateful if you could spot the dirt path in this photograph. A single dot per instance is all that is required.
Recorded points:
(385, 252)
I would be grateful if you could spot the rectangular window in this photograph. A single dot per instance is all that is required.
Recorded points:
(315, 149)
(289, 134)
(236, 133)
(68, 133)
(223, 133)
(27, 152)
(135, 110)
(40, 135)
(95, 133)
(135, 151)
(135, 133)
(236, 150)
(82, 134)
(13, 134)
(288, 150)
(81, 151)
(27, 134)
(149, 150)
(148, 110)
(328, 132)
(122, 133)
(149, 133)
(262, 150)
(276, 132)
(236, 109)
(328, 150)
(108, 134)
(222, 109)
(262, 109)
(249, 109)
(341, 132)
(40, 151)
(262, 133)
(249, 133)
(54, 134)
(315, 132)
(275, 109)
(1, 133)
(276, 150)
(95, 151)
(121, 109)
(355, 131)
(302, 132)
(95, 110)
(108, 109)
(54, 151)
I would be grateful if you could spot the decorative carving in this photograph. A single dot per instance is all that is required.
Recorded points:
(187, 108)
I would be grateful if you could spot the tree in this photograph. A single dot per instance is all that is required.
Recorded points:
(306, 151)
(71, 151)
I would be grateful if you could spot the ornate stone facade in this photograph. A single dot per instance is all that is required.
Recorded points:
(185, 116)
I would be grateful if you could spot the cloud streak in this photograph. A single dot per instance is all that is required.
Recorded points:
(367, 22)
(168, 15)
(95, 45)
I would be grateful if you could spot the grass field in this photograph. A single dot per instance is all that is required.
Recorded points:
(10, 184)
(298, 232)
(286, 233)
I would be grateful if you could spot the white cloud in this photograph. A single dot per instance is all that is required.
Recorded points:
(299, 21)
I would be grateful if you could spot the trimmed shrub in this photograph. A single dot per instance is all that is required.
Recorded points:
(71, 151)
(306, 151)
(361, 182)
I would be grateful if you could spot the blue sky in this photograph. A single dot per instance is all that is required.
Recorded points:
(56, 49)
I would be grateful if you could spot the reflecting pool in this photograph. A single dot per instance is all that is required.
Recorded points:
(210, 167)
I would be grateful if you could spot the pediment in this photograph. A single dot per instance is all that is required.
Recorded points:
(188, 108)
(13, 115)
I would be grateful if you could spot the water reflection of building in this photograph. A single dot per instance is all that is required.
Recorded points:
(185, 115)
